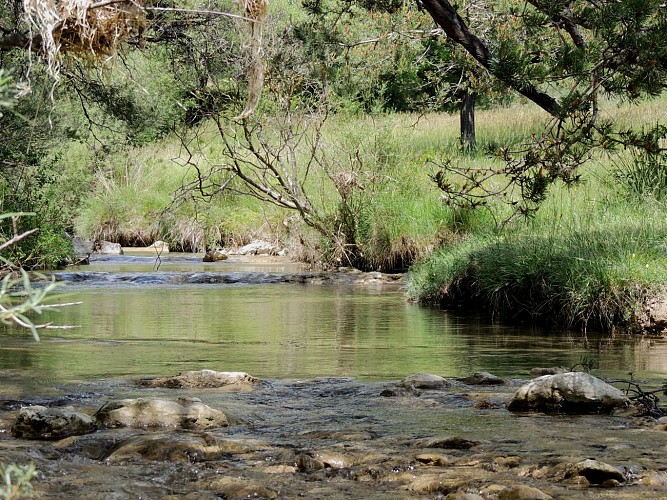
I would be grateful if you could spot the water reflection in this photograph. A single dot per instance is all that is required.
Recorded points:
(297, 331)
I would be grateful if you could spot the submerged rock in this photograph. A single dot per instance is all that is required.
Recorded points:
(204, 379)
(522, 492)
(233, 488)
(40, 422)
(452, 443)
(483, 378)
(424, 381)
(169, 447)
(573, 392)
(148, 413)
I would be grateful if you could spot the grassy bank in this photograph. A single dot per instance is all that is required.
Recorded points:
(594, 256)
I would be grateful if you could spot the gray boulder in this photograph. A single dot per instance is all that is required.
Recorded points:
(483, 378)
(108, 248)
(82, 247)
(40, 422)
(424, 381)
(205, 379)
(156, 413)
(258, 248)
(572, 392)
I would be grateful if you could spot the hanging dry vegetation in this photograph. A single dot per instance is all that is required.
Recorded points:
(89, 29)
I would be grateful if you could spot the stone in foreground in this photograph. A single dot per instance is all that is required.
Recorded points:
(40, 422)
(205, 379)
(156, 413)
(572, 392)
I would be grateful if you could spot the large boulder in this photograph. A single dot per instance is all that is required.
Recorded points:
(40, 422)
(572, 392)
(483, 378)
(155, 413)
(258, 248)
(205, 379)
(108, 248)
(82, 247)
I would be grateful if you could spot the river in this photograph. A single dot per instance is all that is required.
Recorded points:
(326, 351)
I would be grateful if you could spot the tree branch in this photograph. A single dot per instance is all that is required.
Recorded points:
(456, 29)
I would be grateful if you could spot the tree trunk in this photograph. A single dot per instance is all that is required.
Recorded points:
(467, 114)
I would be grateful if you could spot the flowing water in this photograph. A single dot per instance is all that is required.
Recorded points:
(326, 351)
(134, 321)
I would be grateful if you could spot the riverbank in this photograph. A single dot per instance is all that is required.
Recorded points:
(338, 438)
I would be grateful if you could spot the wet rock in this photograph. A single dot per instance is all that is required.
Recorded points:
(522, 492)
(150, 413)
(232, 488)
(108, 248)
(394, 392)
(435, 483)
(178, 447)
(204, 379)
(596, 472)
(258, 248)
(339, 435)
(215, 256)
(316, 460)
(573, 392)
(433, 459)
(424, 381)
(483, 378)
(462, 495)
(40, 422)
(539, 372)
(451, 443)
(508, 462)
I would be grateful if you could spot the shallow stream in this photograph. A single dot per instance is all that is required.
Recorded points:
(325, 351)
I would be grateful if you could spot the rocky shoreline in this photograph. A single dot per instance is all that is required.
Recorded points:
(209, 434)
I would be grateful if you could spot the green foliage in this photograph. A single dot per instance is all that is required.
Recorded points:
(17, 481)
(642, 172)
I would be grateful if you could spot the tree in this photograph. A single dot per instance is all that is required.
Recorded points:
(562, 55)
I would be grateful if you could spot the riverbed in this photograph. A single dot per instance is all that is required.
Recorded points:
(328, 352)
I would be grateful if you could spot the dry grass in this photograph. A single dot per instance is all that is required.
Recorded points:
(89, 29)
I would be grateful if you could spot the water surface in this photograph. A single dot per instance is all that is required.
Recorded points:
(289, 331)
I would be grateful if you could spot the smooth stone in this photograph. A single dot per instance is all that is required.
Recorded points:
(574, 392)
(215, 256)
(424, 381)
(597, 472)
(82, 246)
(433, 459)
(522, 492)
(108, 248)
(451, 443)
(177, 447)
(151, 413)
(435, 483)
(204, 379)
(232, 488)
(40, 422)
(258, 247)
(483, 378)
